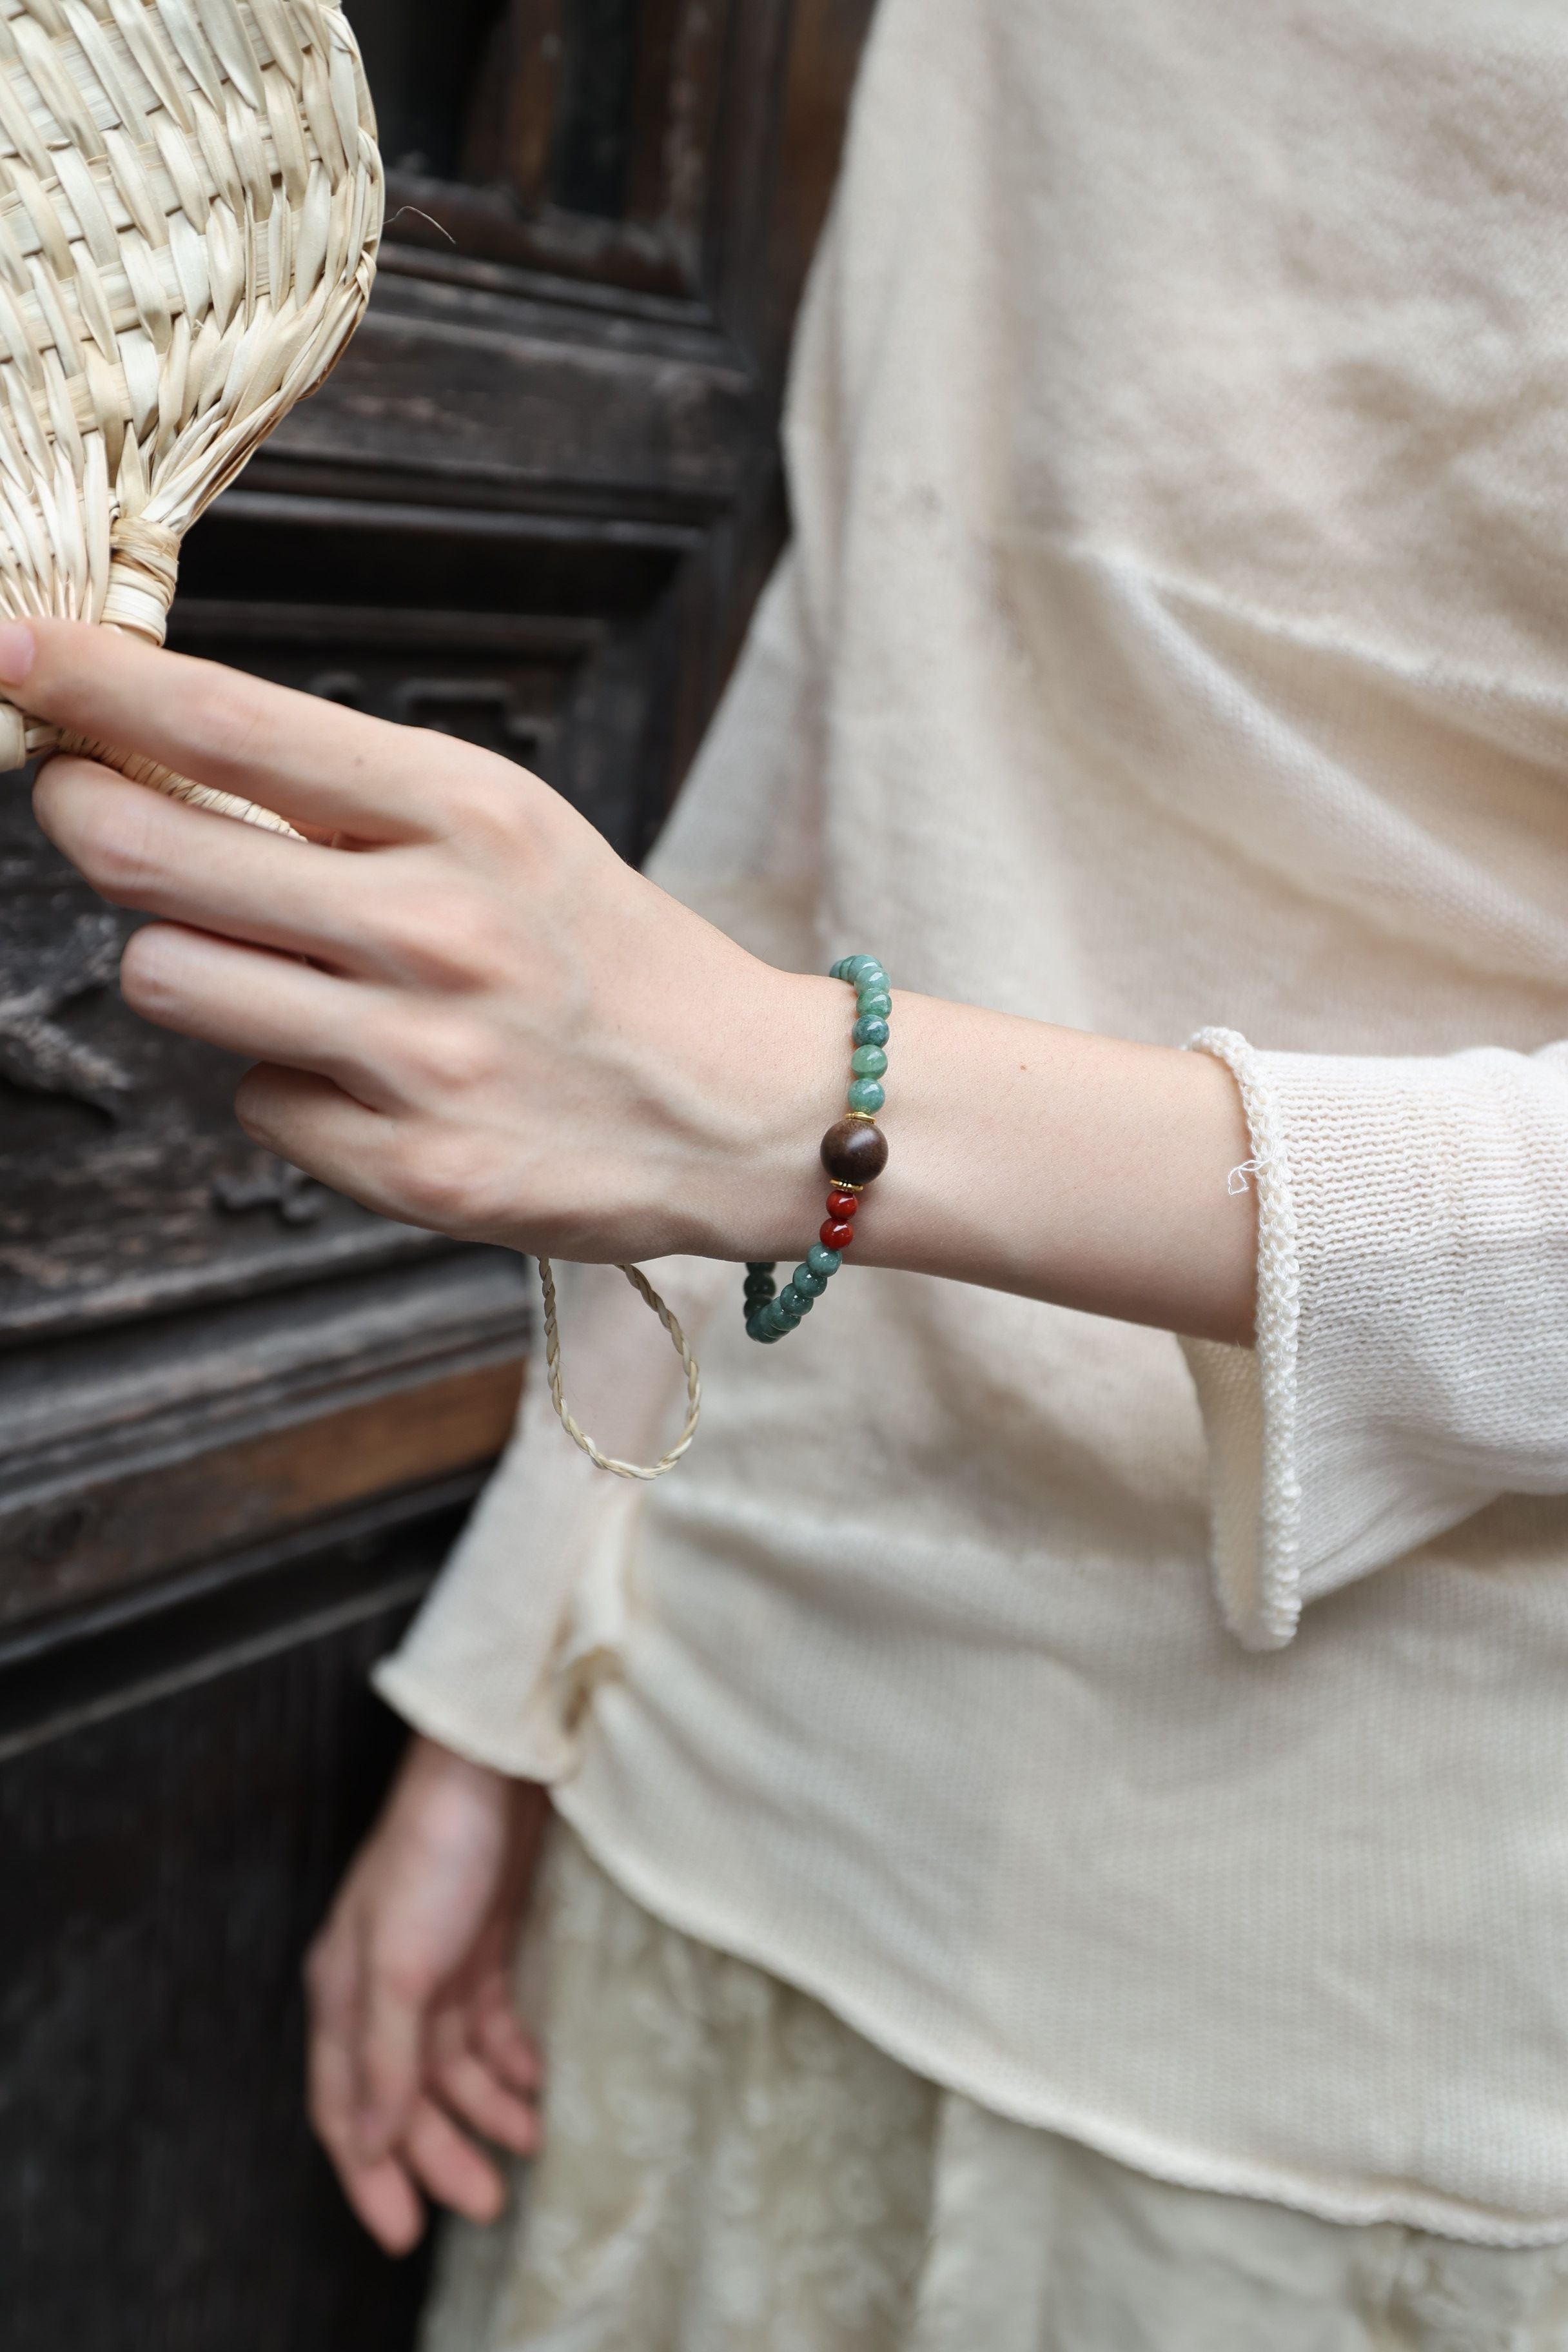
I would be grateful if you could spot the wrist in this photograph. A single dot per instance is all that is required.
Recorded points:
(763, 1188)
(1087, 1170)
(430, 1771)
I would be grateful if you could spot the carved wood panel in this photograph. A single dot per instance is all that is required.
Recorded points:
(576, 138)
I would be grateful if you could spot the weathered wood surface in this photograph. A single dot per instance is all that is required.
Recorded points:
(159, 2191)
(239, 1417)
(136, 1452)
(585, 141)
(123, 1179)
(468, 379)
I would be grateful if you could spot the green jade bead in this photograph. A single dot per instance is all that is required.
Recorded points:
(770, 1315)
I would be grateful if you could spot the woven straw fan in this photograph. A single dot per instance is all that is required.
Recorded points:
(190, 202)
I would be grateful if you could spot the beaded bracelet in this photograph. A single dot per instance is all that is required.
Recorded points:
(853, 1152)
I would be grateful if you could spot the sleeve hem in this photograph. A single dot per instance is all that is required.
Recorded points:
(1249, 1396)
(544, 1756)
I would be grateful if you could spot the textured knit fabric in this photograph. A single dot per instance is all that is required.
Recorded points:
(728, 2168)
(1171, 643)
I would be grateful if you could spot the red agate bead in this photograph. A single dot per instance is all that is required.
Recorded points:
(836, 1233)
(843, 1204)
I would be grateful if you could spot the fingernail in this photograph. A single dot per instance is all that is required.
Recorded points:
(17, 647)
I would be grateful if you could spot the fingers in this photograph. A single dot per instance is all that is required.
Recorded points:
(139, 848)
(363, 1154)
(434, 2157)
(473, 2093)
(387, 2201)
(312, 761)
(451, 2167)
(474, 2096)
(500, 2041)
(350, 2041)
(367, 2026)
(381, 2190)
(420, 1173)
(383, 2187)
(406, 1986)
(248, 1000)
(332, 1982)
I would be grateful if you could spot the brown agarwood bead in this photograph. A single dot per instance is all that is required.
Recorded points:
(854, 1151)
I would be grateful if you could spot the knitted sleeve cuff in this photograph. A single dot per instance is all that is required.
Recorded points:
(1412, 1295)
(1249, 1395)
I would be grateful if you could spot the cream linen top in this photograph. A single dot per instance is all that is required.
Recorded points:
(1172, 1750)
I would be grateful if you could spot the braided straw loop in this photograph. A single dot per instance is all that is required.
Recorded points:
(189, 204)
(568, 1419)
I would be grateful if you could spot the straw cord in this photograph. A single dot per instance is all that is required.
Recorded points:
(569, 1421)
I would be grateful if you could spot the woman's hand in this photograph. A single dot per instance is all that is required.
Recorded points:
(415, 2054)
(468, 1012)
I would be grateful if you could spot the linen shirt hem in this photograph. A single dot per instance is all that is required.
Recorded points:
(1160, 2156)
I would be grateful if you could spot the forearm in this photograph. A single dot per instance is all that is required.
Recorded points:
(1081, 1170)
(482, 1021)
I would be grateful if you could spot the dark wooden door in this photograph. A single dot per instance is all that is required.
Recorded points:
(240, 1419)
